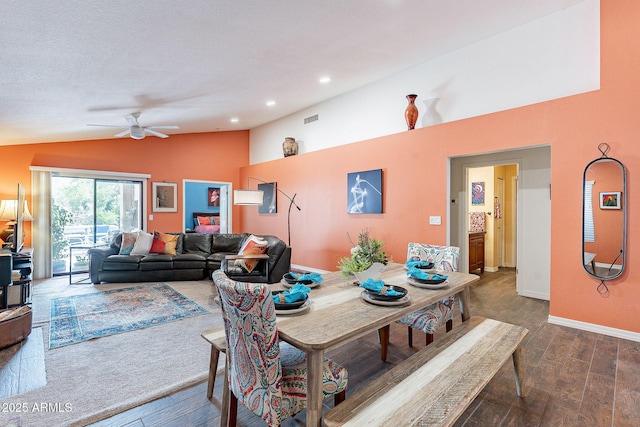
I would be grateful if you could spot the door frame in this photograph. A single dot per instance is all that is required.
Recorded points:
(532, 258)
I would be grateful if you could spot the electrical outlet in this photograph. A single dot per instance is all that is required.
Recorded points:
(435, 220)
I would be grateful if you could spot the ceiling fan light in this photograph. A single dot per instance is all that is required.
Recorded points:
(137, 132)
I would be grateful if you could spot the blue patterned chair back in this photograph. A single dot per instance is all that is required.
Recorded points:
(444, 257)
(253, 353)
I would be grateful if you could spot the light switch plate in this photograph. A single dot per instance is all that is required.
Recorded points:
(435, 220)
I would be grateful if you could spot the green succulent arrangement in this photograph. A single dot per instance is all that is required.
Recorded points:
(363, 255)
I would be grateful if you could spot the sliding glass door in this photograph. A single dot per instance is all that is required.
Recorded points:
(90, 212)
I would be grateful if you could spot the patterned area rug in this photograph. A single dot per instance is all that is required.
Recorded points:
(81, 318)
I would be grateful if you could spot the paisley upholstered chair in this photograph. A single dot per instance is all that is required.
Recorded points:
(267, 376)
(431, 318)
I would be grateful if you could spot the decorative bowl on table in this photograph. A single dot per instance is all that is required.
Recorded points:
(290, 279)
(383, 297)
(290, 305)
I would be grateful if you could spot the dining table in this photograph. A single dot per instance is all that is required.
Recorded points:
(339, 312)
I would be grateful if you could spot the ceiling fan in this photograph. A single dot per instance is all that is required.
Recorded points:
(136, 131)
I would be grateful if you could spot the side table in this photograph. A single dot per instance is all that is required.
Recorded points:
(81, 247)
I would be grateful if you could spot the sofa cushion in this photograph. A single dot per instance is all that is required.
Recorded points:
(127, 243)
(156, 262)
(192, 260)
(197, 243)
(122, 262)
(229, 243)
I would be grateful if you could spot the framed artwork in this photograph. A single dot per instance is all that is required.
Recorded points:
(610, 200)
(165, 196)
(477, 193)
(364, 192)
(270, 201)
(213, 196)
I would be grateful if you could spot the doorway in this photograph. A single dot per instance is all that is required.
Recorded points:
(197, 198)
(532, 224)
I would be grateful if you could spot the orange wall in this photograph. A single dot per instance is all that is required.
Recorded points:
(206, 156)
(415, 178)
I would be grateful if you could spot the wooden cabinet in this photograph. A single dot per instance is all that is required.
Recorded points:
(476, 252)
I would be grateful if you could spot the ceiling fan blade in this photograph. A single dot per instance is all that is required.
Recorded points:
(121, 134)
(162, 127)
(153, 132)
(106, 126)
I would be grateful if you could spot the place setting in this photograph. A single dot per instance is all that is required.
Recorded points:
(292, 301)
(310, 280)
(426, 279)
(376, 292)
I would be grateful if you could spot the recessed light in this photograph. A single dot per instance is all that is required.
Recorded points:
(325, 79)
(271, 103)
(234, 120)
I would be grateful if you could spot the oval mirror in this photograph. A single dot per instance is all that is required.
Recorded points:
(604, 218)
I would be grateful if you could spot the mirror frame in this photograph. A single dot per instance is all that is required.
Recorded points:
(623, 198)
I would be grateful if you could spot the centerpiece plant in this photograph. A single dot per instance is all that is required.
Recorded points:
(363, 255)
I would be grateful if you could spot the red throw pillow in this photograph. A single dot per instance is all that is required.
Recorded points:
(204, 220)
(157, 247)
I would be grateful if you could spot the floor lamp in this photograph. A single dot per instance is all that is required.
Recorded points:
(256, 198)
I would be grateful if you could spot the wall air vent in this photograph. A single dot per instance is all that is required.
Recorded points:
(311, 119)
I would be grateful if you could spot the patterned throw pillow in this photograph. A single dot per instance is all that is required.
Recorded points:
(143, 243)
(170, 242)
(252, 246)
(128, 241)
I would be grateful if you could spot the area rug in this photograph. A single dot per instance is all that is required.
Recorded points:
(96, 379)
(81, 318)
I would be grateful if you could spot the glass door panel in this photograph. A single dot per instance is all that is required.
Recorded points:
(89, 212)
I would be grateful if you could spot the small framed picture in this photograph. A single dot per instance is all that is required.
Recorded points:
(213, 196)
(610, 200)
(165, 196)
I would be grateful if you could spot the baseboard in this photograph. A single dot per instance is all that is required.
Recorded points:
(536, 295)
(599, 329)
(491, 269)
(309, 269)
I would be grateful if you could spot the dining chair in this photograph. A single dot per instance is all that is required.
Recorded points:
(267, 376)
(433, 317)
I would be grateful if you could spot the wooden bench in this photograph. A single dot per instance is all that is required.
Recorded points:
(435, 386)
(215, 337)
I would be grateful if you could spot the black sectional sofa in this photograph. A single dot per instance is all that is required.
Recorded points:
(197, 256)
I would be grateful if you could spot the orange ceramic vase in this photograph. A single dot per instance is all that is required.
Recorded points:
(411, 113)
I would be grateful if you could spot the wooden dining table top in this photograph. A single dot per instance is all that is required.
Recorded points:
(339, 313)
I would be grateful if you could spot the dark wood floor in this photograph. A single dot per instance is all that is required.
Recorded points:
(573, 377)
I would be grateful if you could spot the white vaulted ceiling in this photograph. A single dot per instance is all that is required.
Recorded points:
(198, 64)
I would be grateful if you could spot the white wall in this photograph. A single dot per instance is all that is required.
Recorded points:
(549, 58)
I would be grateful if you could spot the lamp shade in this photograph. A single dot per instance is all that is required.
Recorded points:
(8, 210)
(26, 215)
(248, 197)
